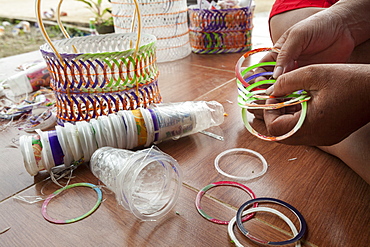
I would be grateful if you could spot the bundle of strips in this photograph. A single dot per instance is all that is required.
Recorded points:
(220, 31)
(99, 75)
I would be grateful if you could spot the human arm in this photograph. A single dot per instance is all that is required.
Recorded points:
(328, 36)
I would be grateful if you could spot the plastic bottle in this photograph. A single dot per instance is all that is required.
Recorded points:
(126, 129)
(29, 80)
(146, 182)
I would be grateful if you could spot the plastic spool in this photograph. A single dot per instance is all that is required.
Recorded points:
(56, 149)
(90, 138)
(146, 182)
(86, 138)
(107, 130)
(165, 19)
(149, 126)
(62, 138)
(47, 157)
(83, 141)
(140, 127)
(134, 140)
(129, 130)
(25, 143)
(124, 129)
(100, 139)
(76, 143)
(71, 134)
(117, 123)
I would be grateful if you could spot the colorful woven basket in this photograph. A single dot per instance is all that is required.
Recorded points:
(220, 31)
(99, 75)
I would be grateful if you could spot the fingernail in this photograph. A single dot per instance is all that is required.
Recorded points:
(270, 90)
(277, 72)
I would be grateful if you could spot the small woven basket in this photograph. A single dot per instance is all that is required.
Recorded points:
(165, 19)
(99, 75)
(220, 31)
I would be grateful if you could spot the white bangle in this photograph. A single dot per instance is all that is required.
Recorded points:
(261, 209)
(264, 163)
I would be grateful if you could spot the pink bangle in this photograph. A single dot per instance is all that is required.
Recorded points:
(222, 183)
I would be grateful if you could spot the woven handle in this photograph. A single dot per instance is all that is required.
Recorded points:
(48, 40)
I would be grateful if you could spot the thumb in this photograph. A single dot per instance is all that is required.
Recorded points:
(287, 83)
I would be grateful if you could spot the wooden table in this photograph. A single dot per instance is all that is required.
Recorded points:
(333, 199)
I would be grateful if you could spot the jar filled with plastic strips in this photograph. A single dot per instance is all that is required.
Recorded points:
(167, 20)
(145, 182)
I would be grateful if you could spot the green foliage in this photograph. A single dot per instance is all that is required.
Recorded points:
(99, 12)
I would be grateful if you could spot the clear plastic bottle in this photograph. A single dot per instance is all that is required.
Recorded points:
(175, 120)
(145, 182)
(127, 130)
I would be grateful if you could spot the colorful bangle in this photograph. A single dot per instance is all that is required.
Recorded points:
(56, 221)
(261, 209)
(263, 160)
(250, 93)
(222, 183)
(302, 221)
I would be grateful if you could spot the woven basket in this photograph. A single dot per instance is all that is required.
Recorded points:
(220, 31)
(98, 75)
(165, 19)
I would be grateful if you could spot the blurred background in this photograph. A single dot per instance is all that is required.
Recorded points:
(19, 34)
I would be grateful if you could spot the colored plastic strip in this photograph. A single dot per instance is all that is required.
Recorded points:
(261, 209)
(297, 237)
(222, 183)
(56, 221)
(263, 160)
(276, 138)
(250, 95)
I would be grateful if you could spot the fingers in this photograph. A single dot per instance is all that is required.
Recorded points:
(291, 46)
(279, 123)
(299, 79)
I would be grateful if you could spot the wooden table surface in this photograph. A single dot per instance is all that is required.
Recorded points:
(332, 198)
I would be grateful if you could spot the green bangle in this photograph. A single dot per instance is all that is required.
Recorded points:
(56, 221)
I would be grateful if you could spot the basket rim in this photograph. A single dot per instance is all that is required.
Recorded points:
(46, 49)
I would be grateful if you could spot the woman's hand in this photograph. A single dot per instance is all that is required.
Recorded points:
(339, 103)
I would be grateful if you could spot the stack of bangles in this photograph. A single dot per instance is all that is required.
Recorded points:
(243, 214)
(249, 94)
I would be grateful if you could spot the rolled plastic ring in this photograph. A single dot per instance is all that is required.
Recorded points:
(302, 221)
(56, 221)
(222, 183)
(261, 209)
(249, 93)
(247, 54)
(276, 138)
(263, 160)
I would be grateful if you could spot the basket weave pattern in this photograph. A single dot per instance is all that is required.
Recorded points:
(165, 19)
(220, 31)
(103, 77)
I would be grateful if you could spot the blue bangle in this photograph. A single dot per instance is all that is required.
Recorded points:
(302, 221)
(263, 74)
